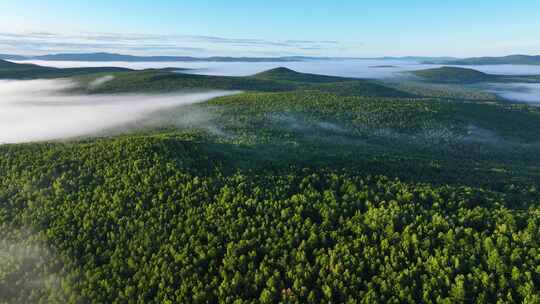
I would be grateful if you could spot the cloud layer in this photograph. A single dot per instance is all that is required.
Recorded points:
(36, 43)
(36, 110)
(524, 92)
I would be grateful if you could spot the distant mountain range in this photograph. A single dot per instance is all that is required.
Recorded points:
(457, 75)
(416, 58)
(110, 57)
(512, 59)
(11, 70)
(13, 57)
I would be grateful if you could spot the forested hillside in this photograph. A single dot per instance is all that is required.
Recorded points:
(458, 75)
(512, 59)
(453, 75)
(276, 80)
(10, 70)
(162, 219)
(305, 189)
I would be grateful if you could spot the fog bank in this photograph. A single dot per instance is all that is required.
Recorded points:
(36, 110)
(523, 92)
(359, 68)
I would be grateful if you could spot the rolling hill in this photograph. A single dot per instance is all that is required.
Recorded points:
(111, 57)
(7, 64)
(287, 74)
(10, 70)
(172, 79)
(452, 75)
(512, 59)
(104, 57)
(458, 75)
(275, 80)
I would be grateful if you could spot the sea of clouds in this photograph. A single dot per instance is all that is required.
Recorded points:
(37, 110)
(358, 68)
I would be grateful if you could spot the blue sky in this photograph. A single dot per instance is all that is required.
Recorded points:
(272, 28)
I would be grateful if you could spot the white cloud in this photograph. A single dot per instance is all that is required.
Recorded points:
(36, 43)
(35, 110)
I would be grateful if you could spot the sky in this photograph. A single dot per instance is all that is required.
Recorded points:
(347, 28)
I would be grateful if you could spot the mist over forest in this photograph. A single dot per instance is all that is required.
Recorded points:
(37, 110)
(278, 152)
(383, 69)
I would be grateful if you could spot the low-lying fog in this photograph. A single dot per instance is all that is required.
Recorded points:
(360, 68)
(524, 92)
(34, 110)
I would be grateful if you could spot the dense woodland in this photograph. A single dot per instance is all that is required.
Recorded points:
(458, 75)
(304, 189)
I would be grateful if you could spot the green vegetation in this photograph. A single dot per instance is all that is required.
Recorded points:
(455, 92)
(304, 189)
(166, 81)
(467, 76)
(512, 59)
(10, 70)
(285, 74)
(276, 80)
(399, 137)
(162, 219)
(453, 75)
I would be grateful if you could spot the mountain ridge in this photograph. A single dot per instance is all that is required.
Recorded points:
(110, 57)
(105, 56)
(460, 75)
(510, 59)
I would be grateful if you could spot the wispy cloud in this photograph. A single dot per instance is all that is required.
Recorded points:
(35, 110)
(37, 42)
